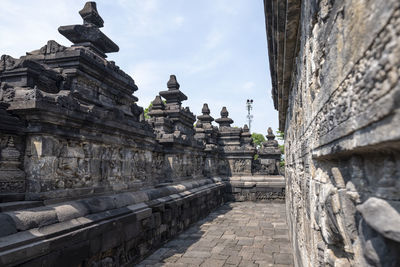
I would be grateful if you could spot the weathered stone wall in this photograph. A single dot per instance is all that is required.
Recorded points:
(341, 119)
(259, 188)
(87, 180)
(111, 230)
(12, 148)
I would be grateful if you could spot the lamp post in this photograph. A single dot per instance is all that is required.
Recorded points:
(249, 106)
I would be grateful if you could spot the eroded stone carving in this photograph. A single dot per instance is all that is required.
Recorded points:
(339, 110)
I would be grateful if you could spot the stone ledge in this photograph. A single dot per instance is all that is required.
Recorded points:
(150, 211)
(255, 188)
(41, 216)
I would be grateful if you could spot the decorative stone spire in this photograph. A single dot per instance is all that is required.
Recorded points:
(205, 110)
(181, 119)
(91, 16)
(206, 119)
(271, 142)
(269, 155)
(157, 107)
(158, 103)
(173, 84)
(246, 136)
(88, 35)
(224, 113)
(224, 121)
(173, 96)
(270, 135)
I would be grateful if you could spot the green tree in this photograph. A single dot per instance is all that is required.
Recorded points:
(258, 139)
(281, 136)
(146, 111)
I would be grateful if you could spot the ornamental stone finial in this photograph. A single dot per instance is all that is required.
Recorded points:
(90, 15)
(270, 135)
(205, 110)
(224, 113)
(224, 121)
(205, 118)
(88, 34)
(173, 84)
(173, 95)
(157, 103)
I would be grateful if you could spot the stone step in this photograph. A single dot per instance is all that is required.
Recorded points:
(19, 205)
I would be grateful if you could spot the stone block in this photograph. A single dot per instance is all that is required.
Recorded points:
(33, 218)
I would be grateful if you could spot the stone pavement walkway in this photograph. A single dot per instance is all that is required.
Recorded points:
(237, 234)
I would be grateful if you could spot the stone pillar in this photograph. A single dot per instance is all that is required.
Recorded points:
(182, 118)
(269, 156)
(158, 119)
(247, 151)
(237, 159)
(173, 124)
(208, 133)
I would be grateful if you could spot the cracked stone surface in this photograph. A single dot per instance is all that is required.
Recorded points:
(237, 234)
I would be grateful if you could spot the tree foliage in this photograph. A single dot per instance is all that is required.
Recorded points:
(258, 139)
(281, 136)
(146, 111)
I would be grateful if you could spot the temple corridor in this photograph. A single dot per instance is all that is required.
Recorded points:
(236, 234)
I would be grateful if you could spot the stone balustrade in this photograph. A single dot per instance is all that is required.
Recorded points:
(85, 178)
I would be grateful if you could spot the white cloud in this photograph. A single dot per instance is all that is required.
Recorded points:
(199, 41)
(249, 86)
(21, 31)
(204, 62)
(179, 20)
(214, 39)
(148, 76)
(148, 18)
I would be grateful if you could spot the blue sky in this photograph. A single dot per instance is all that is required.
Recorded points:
(217, 48)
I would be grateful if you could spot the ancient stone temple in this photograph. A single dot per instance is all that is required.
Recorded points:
(87, 180)
(335, 68)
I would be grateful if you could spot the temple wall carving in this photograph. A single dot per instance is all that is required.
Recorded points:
(87, 180)
(337, 90)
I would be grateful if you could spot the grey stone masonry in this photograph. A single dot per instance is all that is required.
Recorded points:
(269, 156)
(335, 68)
(88, 35)
(12, 176)
(86, 179)
(236, 234)
(238, 156)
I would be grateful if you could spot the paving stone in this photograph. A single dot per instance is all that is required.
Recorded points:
(246, 241)
(283, 258)
(212, 263)
(192, 260)
(281, 238)
(248, 263)
(197, 254)
(262, 257)
(234, 260)
(219, 256)
(246, 234)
